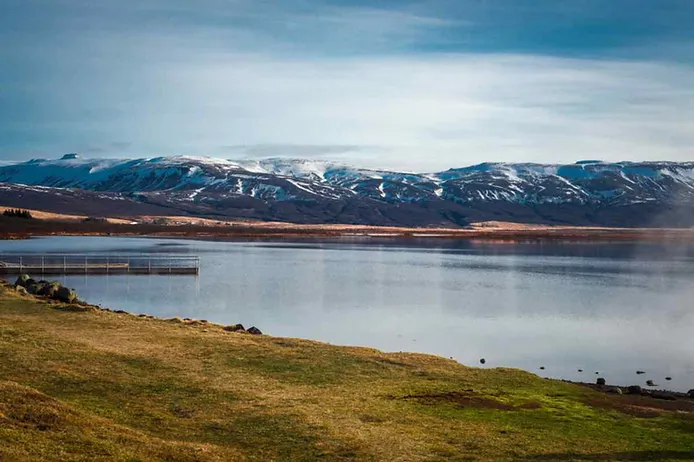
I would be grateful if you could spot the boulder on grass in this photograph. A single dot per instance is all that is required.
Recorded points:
(48, 289)
(235, 328)
(634, 390)
(32, 287)
(254, 330)
(22, 280)
(65, 295)
(657, 394)
(53, 290)
(600, 381)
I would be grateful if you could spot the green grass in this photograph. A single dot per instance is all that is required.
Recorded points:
(96, 385)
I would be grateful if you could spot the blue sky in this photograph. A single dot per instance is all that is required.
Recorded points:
(411, 85)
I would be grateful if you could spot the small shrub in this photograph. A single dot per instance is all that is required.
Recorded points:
(95, 220)
(17, 213)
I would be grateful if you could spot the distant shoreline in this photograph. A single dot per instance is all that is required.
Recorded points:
(11, 229)
(46, 223)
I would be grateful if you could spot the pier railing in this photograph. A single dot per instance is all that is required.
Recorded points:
(66, 264)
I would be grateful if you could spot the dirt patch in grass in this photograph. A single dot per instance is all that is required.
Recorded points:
(612, 456)
(468, 399)
(639, 406)
(286, 342)
(390, 362)
(530, 405)
(73, 307)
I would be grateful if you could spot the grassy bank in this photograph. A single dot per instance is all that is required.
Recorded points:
(86, 384)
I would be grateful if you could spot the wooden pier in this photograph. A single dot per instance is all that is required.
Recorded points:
(74, 264)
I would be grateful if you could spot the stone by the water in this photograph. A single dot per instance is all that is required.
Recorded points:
(48, 289)
(663, 395)
(65, 295)
(634, 390)
(542, 368)
(640, 372)
(482, 361)
(53, 290)
(254, 330)
(22, 280)
(615, 390)
(668, 378)
(600, 381)
(650, 383)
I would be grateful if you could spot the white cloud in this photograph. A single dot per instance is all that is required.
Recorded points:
(418, 112)
(163, 93)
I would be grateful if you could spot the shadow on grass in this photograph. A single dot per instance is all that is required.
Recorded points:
(278, 437)
(629, 455)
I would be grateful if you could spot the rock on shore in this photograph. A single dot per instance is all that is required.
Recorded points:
(49, 289)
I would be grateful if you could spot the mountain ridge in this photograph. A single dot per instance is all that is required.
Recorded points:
(319, 191)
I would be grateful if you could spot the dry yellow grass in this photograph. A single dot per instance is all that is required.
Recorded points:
(97, 385)
(50, 216)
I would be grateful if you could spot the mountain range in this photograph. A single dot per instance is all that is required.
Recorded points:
(595, 193)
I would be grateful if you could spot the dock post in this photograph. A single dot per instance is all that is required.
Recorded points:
(20, 264)
(64, 264)
(43, 265)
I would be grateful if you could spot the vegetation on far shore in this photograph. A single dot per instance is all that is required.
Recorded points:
(81, 383)
(17, 213)
(12, 228)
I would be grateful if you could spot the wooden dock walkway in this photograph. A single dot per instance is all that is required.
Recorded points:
(73, 264)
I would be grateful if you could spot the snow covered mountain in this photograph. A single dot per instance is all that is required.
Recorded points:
(312, 191)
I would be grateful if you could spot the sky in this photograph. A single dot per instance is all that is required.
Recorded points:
(410, 85)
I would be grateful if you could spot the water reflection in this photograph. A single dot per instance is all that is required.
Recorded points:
(612, 308)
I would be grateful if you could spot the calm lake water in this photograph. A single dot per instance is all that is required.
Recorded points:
(611, 308)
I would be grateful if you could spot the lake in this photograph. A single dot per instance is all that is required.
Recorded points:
(605, 307)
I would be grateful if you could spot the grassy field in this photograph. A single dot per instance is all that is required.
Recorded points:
(87, 384)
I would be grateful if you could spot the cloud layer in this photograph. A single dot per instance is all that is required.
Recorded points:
(348, 82)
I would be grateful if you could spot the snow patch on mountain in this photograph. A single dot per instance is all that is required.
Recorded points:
(280, 179)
